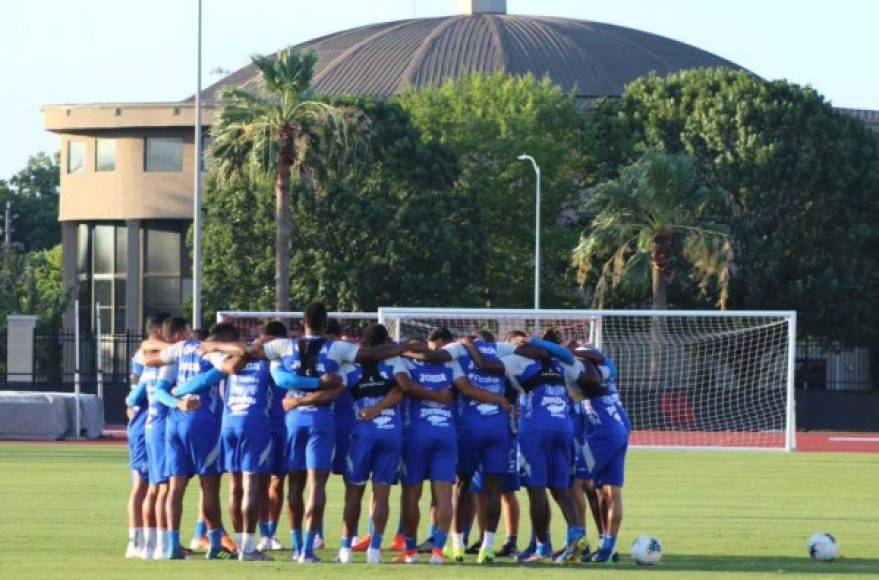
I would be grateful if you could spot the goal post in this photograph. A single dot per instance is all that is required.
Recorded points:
(689, 379)
(353, 324)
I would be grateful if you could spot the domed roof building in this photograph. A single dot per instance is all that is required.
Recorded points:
(382, 60)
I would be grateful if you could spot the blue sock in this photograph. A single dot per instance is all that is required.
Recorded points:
(296, 540)
(410, 543)
(320, 531)
(400, 530)
(309, 543)
(369, 528)
(273, 529)
(439, 539)
(174, 539)
(608, 544)
(544, 550)
(215, 536)
(467, 529)
(431, 532)
(265, 530)
(201, 529)
(574, 534)
(346, 542)
(375, 541)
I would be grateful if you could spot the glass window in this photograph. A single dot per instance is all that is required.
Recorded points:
(121, 249)
(163, 154)
(104, 293)
(75, 156)
(82, 249)
(105, 240)
(161, 292)
(163, 252)
(105, 153)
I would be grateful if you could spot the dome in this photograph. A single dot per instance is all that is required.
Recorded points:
(382, 60)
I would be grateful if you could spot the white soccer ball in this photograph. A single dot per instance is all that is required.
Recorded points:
(646, 550)
(823, 547)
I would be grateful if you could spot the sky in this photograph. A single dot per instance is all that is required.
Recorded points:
(84, 51)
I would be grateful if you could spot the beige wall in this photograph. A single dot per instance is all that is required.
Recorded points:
(129, 192)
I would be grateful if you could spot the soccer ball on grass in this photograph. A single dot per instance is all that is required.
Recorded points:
(823, 547)
(646, 550)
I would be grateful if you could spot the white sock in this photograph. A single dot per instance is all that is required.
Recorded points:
(151, 537)
(248, 543)
(458, 540)
(160, 542)
(239, 540)
(488, 541)
(138, 537)
(131, 534)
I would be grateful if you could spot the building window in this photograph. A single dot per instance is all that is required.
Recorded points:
(75, 156)
(102, 255)
(105, 155)
(165, 268)
(163, 154)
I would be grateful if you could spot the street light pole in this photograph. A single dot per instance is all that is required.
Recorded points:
(524, 157)
(196, 198)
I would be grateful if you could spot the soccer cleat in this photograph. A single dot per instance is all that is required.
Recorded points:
(568, 555)
(319, 543)
(219, 554)
(399, 543)
(523, 556)
(267, 544)
(373, 556)
(294, 555)
(602, 557)
(255, 556)
(362, 544)
(345, 556)
(456, 554)
(437, 557)
(308, 559)
(200, 543)
(227, 543)
(407, 557)
(474, 549)
(486, 556)
(148, 552)
(508, 550)
(133, 551)
(533, 558)
(426, 547)
(180, 554)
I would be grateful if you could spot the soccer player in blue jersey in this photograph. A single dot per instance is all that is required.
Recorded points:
(137, 455)
(376, 444)
(606, 444)
(192, 438)
(430, 452)
(310, 421)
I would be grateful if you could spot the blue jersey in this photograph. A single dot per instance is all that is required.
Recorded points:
(343, 407)
(137, 422)
(248, 397)
(430, 417)
(367, 385)
(276, 412)
(477, 414)
(313, 361)
(157, 412)
(609, 373)
(545, 401)
(602, 414)
(189, 364)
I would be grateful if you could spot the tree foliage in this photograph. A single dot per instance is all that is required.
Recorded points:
(31, 283)
(33, 193)
(803, 180)
(487, 122)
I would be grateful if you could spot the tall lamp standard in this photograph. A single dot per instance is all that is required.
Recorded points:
(524, 157)
(196, 197)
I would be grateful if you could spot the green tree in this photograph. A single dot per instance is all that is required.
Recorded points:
(33, 195)
(654, 216)
(270, 133)
(488, 121)
(803, 180)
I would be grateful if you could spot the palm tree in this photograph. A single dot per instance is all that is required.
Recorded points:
(269, 134)
(654, 213)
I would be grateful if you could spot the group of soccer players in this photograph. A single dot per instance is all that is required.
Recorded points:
(474, 417)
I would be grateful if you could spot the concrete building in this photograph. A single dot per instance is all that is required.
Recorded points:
(126, 168)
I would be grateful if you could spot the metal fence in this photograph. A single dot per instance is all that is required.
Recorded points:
(831, 365)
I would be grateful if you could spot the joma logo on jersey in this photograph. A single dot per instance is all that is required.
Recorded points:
(425, 378)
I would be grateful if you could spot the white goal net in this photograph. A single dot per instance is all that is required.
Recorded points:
(714, 379)
(352, 324)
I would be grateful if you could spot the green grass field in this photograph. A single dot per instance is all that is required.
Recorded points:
(62, 515)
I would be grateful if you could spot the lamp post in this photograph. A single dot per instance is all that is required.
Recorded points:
(525, 157)
(196, 197)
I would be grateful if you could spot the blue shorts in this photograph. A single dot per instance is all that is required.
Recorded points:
(429, 457)
(247, 450)
(581, 469)
(488, 448)
(547, 457)
(193, 448)
(343, 440)
(137, 453)
(154, 437)
(279, 450)
(606, 459)
(310, 447)
(509, 482)
(378, 457)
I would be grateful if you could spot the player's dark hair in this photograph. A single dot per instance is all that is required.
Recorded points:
(440, 334)
(155, 321)
(485, 335)
(375, 335)
(199, 334)
(333, 327)
(515, 334)
(315, 317)
(173, 325)
(552, 335)
(275, 328)
(224, 332)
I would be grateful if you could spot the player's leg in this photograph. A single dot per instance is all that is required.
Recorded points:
(236, 499)
(511, 514)
(254, 488)
(174, 512)
(534, 448)
(211, 514)
(136, 526)
(161, 552)
(495, 463)
(610, 479)
(314, 510)
(411, 496)
(149, 520)
(559, 481)
(358, 465)
(275, 494)
(297, 482)
(539, 512)
(350, 518)
(462, 515)
(442, 467)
